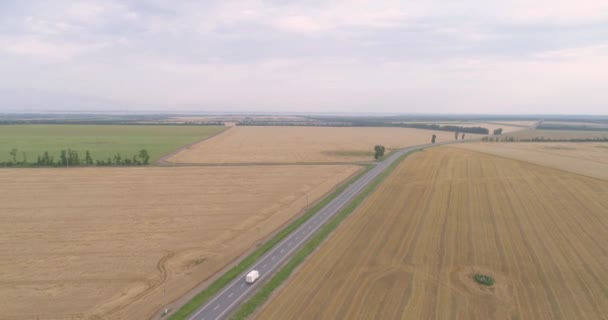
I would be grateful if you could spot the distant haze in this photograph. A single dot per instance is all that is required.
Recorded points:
(470, 56)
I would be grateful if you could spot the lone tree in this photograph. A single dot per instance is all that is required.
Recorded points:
(456, 135)
(433, 139)
(497, 131)
(462, 137)
(379, 152)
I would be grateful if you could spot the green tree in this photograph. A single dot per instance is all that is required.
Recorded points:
(379, 152)
(87, 158)
(73, 158)
(456, 135)
(144, 156)
(462, 138)
(13, 154)
(433, 139)
(497, 131)
(64, 158)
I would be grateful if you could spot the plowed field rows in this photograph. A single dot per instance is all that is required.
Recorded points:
(559, 134)
(589, 158)
(120, 243)
(445, 214)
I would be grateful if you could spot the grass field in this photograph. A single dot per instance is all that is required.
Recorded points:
(560, 134)
(412, 249)
(120, 243)
(589, 158)
(102, 140)
(304, 144)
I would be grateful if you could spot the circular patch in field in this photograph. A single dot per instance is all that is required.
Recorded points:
(484, 279)
(464, 279)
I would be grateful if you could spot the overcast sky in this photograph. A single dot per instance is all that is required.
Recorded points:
(466, 56)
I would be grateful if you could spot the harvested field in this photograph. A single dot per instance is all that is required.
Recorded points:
(303, 144)
(586, 158)
(412, 249)
(120, 243)
(515, 123)
(578, 124)
(559, 134)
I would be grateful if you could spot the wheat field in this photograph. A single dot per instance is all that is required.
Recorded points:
(121, 243)
(411, 250)
(303, 144)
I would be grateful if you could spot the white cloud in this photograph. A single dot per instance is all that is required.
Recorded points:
(393, 56)
(47, 51)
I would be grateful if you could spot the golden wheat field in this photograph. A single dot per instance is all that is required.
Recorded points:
(303, 144)
(590, 159)
(520, 123)
(559, 134)
(411, 250)
(120, 243)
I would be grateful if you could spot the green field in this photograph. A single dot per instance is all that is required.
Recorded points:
(102, 141)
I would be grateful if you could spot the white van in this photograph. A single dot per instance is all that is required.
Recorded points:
(252, 276)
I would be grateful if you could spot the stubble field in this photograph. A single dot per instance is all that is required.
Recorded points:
(120, 243)
(303, 144)
(589, 159)
(411, 249)
(559, 134)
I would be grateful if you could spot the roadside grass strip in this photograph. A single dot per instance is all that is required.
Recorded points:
(216, 286)
(260, 297)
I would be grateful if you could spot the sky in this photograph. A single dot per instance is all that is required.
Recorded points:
(468, 56)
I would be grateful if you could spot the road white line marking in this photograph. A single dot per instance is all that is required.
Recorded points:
(216, 307)
(231, 294)
(264, 266)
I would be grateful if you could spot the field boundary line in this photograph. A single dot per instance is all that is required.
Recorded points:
(531, 163)
(232, 273)
(260, 297)
(163, 161)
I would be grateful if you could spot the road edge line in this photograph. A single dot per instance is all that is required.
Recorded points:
(228, 276)
(260, 297)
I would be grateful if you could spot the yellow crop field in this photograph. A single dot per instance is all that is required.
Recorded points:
(121, 243)
(412, 249)
(521, 123)
(560, 134)
(303, 144)
(588, 158)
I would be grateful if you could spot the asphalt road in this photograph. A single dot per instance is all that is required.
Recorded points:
(220, 306)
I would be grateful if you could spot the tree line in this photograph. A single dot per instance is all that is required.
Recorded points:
(540, 139)
(69, 158)
(477, 130)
